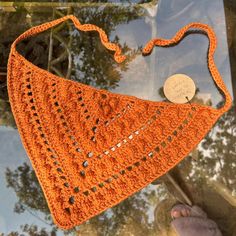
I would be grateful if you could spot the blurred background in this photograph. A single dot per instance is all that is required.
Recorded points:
(206, 177)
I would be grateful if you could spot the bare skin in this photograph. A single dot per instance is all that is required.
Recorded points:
(192, 221)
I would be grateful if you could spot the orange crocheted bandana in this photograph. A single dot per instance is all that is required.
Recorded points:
(91, 148)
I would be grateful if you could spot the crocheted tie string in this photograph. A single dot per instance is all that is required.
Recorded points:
(91, 148)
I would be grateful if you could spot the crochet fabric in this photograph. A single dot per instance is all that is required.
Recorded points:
(91, 148)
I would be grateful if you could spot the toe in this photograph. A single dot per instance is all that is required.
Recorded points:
(175, 214)
(184, 212)
(180, 210)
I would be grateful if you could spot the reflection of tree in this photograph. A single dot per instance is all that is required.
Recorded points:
(220, 144)
(7, 36)
(217, 152)
(32, 230)
(24, 181)
(96, 66)
(129, 216)
(6, 117)
(30, 197)
(35, 231)
(209, 172)
(93, 63)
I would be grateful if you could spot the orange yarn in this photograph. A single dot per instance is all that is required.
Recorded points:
(91, 148)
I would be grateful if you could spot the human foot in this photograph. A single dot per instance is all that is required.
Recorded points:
(192, 221)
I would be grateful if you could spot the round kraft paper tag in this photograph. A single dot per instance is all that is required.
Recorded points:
(179, 88)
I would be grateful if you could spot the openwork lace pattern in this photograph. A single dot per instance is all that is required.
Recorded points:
(91, 148)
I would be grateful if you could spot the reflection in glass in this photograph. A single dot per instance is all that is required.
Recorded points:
(206, 177)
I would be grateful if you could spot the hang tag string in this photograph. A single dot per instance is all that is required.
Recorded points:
(211, 63)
